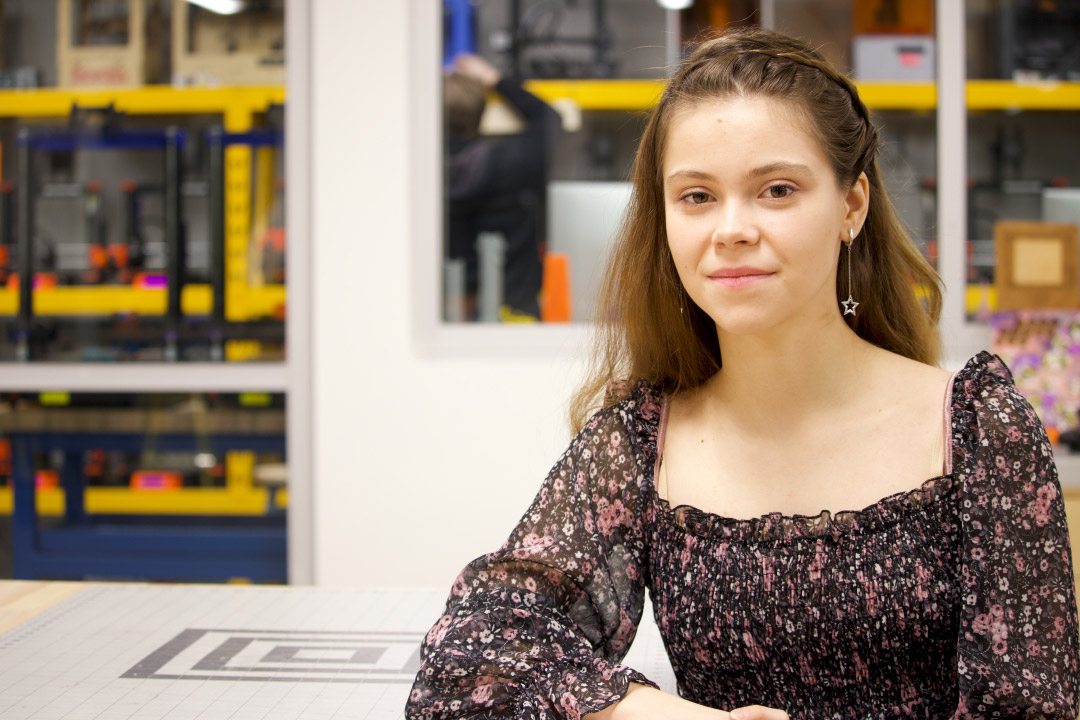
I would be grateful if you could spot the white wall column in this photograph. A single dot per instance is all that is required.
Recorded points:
(300, 430)
(421, 459)
(961, 340)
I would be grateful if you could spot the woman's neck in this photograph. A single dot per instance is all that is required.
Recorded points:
(775, 379)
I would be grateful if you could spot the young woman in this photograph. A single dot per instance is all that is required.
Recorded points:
(778, 372)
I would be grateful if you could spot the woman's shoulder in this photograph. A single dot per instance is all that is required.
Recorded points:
(633, 402)
(985, 370)
(985, 381)
(916, 389)
(987, 403)
(630, 408)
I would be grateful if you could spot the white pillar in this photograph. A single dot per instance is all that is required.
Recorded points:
(961, 339)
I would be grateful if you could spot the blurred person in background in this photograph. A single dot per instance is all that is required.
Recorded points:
(497, 183)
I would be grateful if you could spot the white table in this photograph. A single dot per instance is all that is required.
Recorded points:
(86, 651)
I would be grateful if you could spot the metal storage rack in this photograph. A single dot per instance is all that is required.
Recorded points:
(255, 546)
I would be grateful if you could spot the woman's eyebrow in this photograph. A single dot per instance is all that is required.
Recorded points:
(781, 166)
(688, 175)
(777, 167)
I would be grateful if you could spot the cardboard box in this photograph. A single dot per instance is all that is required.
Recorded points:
(97, 48)
(243, 49)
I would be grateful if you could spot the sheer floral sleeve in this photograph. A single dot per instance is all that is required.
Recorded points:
(537, 629)
(1017, 649)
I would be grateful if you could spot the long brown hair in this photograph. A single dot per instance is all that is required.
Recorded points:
(647, 328)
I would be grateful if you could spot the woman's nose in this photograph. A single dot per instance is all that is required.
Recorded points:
(734, 226)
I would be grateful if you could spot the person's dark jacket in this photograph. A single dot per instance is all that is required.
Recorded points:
(499, 184)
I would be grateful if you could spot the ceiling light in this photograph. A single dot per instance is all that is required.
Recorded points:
(221, 7)
(675, 4)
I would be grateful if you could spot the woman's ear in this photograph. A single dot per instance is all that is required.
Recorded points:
(857, 201)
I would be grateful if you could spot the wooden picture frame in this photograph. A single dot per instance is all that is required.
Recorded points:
(1037, 265)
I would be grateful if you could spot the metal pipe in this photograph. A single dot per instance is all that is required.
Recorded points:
(131, 235)
(600, 31)
(93, 215)
(24, 260)
(74, 487)
(216, 215)
(174, 264)
(767, 14)
(491, 247)
(602, 67)
(565, 40)
(515, 38)
(7, 230)
(454, 290)
(674, 40)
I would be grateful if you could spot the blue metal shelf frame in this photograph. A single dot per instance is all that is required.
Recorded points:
(207, 548)
(170, 141)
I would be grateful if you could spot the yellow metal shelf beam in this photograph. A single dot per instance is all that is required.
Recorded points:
(631, 95)
(249, 302)
(918, 97)
(621, 95)
(196, 300)
(1007, 95)
(184, 501)
(149, 100)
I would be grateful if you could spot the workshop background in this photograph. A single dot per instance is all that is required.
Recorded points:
(175, 406)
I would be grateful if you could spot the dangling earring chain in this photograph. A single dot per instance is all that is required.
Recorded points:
(849, 304)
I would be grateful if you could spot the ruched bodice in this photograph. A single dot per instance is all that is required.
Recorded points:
(801, 612)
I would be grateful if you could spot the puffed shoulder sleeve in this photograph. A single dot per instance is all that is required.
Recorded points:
(538, 628)
(1017, 645)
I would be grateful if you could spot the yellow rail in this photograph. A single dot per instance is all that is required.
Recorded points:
(630, 95)
(1007, 95)
(899, 96)
(148, 100)
(196, 300)
(588, 94)
(619, 95)
(105, 300)
(185, 501)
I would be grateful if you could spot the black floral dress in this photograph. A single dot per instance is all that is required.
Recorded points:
(953, 600)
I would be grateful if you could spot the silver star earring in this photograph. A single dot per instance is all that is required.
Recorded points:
(849, 304)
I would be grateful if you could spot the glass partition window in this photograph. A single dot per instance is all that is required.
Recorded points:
(1023, 189)
(1022, 159)
(538, 140)
(536, 165)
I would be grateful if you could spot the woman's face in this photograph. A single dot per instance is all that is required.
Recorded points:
(754, 215)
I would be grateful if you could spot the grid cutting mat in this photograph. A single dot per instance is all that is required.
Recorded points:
(202, 652)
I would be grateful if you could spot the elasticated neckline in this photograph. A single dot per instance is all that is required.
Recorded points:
(778, 527)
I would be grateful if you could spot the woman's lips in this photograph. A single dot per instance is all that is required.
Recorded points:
(739, 277)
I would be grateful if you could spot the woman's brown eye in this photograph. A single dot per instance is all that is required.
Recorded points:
(698, 197)
(780, 191)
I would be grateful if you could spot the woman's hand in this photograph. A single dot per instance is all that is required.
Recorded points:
(646, 703)
(642, 702)
(477, 67)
